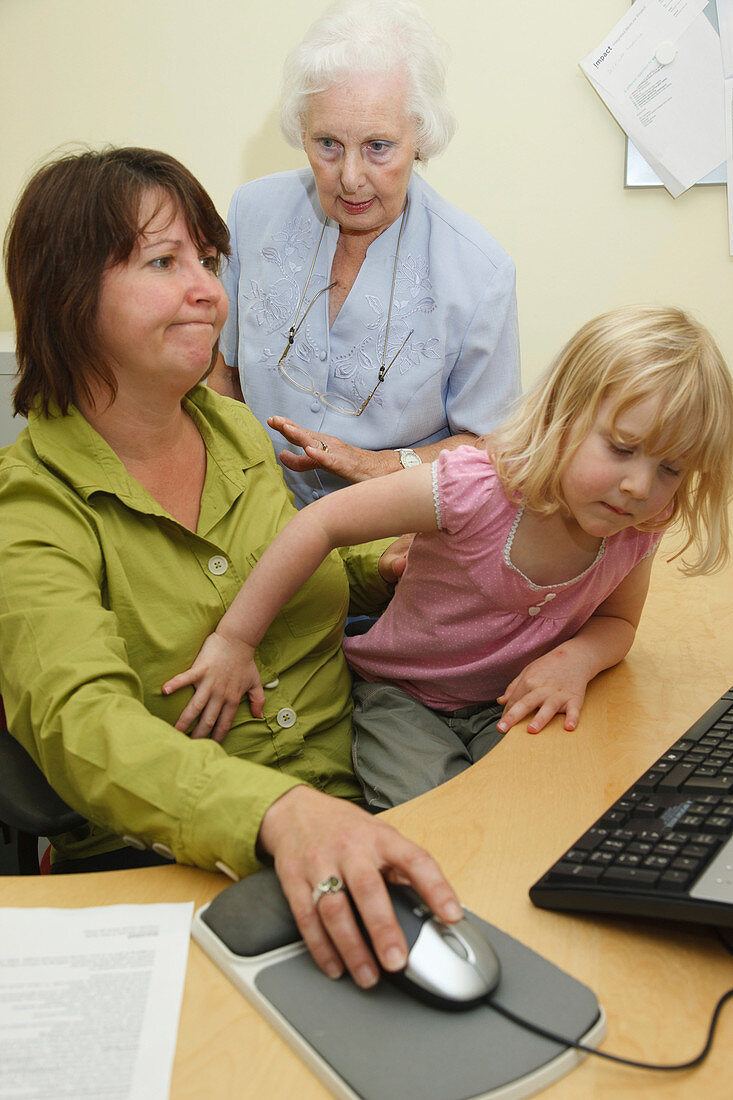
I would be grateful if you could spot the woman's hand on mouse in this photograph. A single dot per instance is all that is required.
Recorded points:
(327, 452)
(312, 836)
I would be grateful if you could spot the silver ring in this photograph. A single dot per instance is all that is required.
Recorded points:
(330, 885)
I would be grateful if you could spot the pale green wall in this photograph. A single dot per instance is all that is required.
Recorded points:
(537, 158)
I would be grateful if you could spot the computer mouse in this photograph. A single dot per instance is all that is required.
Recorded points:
(450, 965)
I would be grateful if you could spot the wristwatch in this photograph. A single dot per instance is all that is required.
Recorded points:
(408, 457)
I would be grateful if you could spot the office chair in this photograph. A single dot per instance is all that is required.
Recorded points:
(29, 806)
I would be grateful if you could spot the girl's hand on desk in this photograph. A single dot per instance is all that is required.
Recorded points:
(222, 673)
(553, 684)
(311, 836)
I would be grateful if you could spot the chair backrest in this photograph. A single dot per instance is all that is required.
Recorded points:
(29, 806)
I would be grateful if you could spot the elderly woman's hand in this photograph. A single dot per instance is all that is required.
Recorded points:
(311, 837)
(327, 452)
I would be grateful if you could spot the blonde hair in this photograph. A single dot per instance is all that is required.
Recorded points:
(371, 36)
(627, 356)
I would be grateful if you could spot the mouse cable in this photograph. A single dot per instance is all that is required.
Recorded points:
(615, 1057)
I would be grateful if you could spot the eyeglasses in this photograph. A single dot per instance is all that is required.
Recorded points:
(303, 381)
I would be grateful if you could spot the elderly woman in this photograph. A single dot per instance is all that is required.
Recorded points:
(133, 506)
(371, 322)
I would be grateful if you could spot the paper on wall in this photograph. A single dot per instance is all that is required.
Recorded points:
(660, 73)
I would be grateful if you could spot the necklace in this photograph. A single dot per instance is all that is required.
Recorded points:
(297, 376)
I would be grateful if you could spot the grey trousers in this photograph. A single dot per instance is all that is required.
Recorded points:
(402, 748)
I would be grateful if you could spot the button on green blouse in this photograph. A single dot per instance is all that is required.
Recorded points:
(104, 596)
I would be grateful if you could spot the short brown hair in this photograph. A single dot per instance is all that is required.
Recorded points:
(77, 216)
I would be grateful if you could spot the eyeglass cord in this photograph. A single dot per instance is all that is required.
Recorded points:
(296, 324)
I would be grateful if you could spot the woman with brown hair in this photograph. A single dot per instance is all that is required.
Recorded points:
(134, 505)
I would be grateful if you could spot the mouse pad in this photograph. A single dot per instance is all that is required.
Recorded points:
(382, 1043)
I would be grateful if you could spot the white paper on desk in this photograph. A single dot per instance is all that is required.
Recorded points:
(90, 1000)
(673, 113)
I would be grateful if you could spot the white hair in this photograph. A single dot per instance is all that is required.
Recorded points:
(371, 36)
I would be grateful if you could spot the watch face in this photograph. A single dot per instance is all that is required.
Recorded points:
(409, 458)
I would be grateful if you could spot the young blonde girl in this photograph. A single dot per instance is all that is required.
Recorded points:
(532, 560)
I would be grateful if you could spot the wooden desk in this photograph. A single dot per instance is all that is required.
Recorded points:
(495, 829)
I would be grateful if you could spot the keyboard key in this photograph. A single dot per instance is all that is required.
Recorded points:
(708, 839)
(673, 880)
(647, 809)
(673, 780)
(684, 864)
(677, 838)
(650, 779)
(576, 855)
(569, 872)
(601, 857)
(704, 803)
(712, 783)
(592, 838)
(695, 851)
(625, 804)
(641, 848)
(636, 875)
(667, 849)
(690, 821)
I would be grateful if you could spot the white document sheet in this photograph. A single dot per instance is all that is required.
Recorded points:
(90, 1000)
(660, 73)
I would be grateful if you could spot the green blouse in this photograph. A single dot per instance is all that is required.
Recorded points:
(104, 596)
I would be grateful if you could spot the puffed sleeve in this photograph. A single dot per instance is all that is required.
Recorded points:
(485, 379)
(74, 702)
(465, 488)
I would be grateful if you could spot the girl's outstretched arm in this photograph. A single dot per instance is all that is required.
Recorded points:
(556, 682)
(224, 669)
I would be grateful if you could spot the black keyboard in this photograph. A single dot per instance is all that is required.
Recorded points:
(665, 848)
